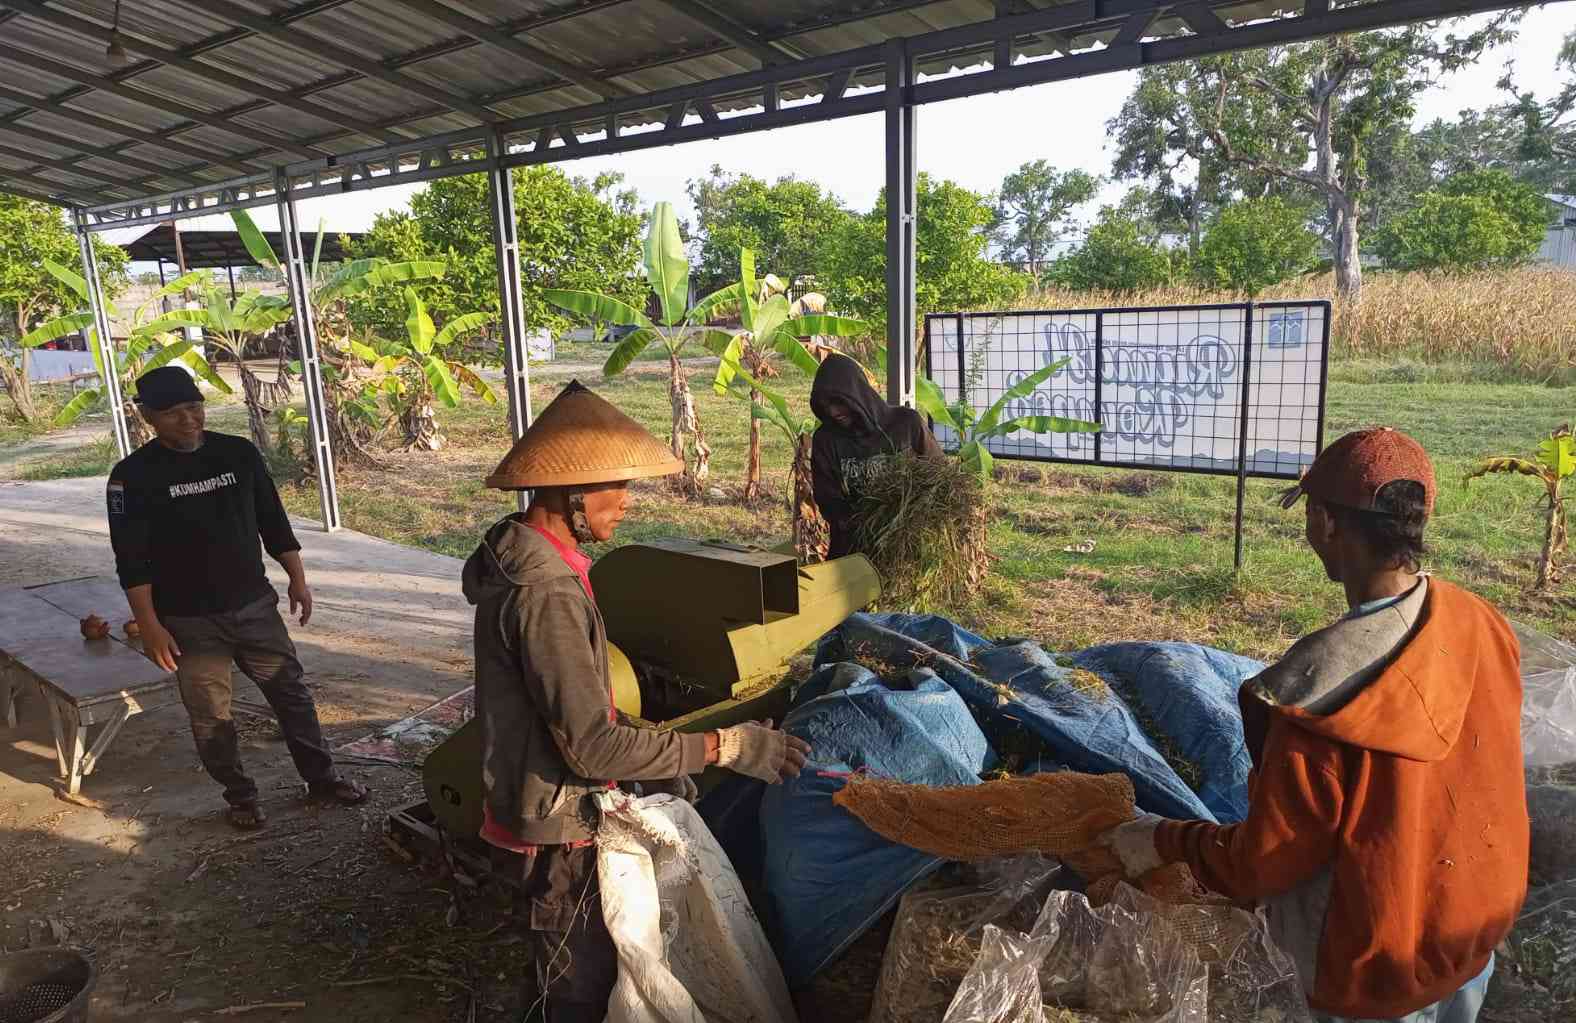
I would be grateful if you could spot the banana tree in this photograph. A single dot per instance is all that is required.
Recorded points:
(974, 430)
(231, 325)
(1554, 464)
(146, 349)
(417, 370)
(350, 403)
(772, 325)
(668, 275)
(810, 533)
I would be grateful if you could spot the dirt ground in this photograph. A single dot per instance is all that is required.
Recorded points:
(186, 916)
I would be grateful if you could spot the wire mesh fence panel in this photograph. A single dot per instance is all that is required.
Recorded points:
(1286, 396)
(1168, 385)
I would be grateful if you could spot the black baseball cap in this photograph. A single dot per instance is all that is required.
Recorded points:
(166, 387)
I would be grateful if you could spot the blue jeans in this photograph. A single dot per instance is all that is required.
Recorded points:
(1461, 1007)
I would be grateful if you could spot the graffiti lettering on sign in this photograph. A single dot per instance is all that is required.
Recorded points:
(1149, 389)
(1285, 330)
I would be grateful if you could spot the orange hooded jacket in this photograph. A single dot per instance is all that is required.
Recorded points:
(1390, 831)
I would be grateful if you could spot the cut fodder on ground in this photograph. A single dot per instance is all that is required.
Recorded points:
(922, 523)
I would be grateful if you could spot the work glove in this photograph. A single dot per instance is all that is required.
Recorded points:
(1134, 844)
(683, 786)
(757, 750)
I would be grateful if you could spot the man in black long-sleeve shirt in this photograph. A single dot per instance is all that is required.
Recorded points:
(186, 511)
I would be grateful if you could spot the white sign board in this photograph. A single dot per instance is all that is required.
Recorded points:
(1168, 385)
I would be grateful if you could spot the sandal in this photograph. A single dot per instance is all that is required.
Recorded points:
(343, 791)
(246, 816)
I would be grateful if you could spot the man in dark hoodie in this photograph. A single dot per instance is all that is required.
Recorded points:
(857, 430)
(1387, 830)
(551, 735)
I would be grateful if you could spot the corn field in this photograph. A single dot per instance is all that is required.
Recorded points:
(1521, 321)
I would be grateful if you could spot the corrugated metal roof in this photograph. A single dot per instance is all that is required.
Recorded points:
(226, 86)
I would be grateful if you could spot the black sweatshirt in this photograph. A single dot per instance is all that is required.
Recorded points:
(840, 457)
(189, 522)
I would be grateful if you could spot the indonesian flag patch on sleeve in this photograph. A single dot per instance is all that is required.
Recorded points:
(116, 492)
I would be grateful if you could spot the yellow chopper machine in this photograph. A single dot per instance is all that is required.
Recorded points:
(700, 635)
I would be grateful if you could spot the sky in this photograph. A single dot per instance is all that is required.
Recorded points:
(974, 141)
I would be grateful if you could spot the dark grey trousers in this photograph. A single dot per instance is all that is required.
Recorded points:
(255, 639)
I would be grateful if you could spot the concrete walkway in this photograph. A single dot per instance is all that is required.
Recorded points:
(391, 634)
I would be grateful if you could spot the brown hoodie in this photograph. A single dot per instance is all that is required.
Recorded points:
(1387, 828)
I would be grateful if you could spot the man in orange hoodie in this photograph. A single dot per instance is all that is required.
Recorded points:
(1387, 834)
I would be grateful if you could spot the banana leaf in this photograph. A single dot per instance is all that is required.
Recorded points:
(1022, 389)
(667, 268)
(164, 356)
(256, 245)
(181, 283)
(317, 250)
(722, 300)
(628, 350)
(1039, 424)
(460, 325)
(478, 386)
(1558, 455)
(60, 326)
(177, 320)
(598, 307)
(78, 405)
(418, 325)
(928, 396)
(381, 275)
(70, 278)
(728, 364)
(977, 459)
(441, 380)
(200, 366)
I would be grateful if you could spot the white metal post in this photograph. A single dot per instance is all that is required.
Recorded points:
(901, 221)
(102, 338)
(311, 364)
(511, 302)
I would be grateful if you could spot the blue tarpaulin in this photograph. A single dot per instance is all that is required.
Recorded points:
(919, 700)
(1190, 693)
(828, 877)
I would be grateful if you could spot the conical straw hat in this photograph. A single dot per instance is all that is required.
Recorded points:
(580, 439)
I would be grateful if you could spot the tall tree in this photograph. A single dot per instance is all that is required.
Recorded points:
(787, 224)
(1543, 131)
(1033, 207)
(951, 242)
(574, 233)
(1159, 140)
(1337, 96)
(30, 233)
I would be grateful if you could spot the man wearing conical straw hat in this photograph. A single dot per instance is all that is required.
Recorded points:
(551, 736)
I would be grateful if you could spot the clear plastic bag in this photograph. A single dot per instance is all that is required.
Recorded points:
(1134, 959)
(1541, 960)
(1548, 699)
(938, 934)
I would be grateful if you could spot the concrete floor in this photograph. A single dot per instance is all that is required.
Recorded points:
(390, 635)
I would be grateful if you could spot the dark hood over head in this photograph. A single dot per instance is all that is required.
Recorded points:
(843, 379)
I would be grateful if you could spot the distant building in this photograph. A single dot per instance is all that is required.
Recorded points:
(1559, 242)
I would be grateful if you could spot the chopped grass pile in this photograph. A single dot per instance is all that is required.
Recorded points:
(922, 523)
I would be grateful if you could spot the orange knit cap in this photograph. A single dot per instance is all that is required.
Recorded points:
(1353, 470)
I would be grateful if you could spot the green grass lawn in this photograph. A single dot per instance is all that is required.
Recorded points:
(1162, 560)
(1161, 566)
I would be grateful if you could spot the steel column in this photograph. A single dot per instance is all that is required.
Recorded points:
(1249, 311)
(109, 365)
(901, 221)
(511, 303)
(311, 364)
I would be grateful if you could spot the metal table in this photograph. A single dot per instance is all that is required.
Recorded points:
(83, 682)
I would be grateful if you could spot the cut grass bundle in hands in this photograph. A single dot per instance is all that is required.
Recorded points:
(922, 523)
